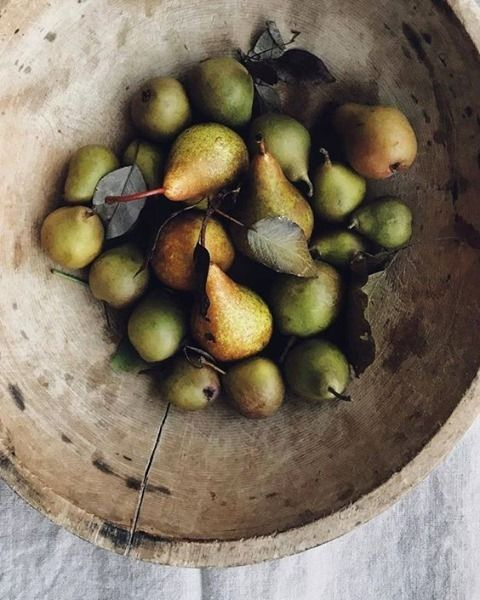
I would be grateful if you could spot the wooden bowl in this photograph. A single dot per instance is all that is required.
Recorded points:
(101, 454)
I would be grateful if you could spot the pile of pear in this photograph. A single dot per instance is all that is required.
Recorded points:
(196, 139)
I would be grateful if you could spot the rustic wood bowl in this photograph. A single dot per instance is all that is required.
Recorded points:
(76, 440)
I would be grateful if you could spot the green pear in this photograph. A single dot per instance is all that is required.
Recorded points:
(378, 140)
(72, 236)
(238, 323)
(160, 109)
(337, 248)
(288, 141)
(149, 159)
(117, 277)
(86, 167)
(221, 90)
(304, 307)
(189, 387)
(157, 327)
(337, 190)
(317, 370)
(387, 222)
(255, 386)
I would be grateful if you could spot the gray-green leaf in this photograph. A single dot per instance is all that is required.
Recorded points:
(120, 217)
(281, 245)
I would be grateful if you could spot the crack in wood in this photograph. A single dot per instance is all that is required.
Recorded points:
(143, 485)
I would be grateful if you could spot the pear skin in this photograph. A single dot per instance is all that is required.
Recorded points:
(378, 140)
(387, 222)
(238, 322)
(85, 169)
(337, 248)
(148, 158)
(188, 387)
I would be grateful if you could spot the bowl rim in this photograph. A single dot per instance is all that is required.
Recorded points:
(217, 553)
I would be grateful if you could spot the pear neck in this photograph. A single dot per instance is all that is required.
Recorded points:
(326, 158)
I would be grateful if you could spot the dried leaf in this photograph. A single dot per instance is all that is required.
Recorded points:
(270, 44)
(127, 360)
(120, 217)
(281, 245)
(297, 65)
(201, 259)
(266, 99)
(467, 232)
(263, 71)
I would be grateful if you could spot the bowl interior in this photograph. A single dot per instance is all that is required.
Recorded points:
(75, 438)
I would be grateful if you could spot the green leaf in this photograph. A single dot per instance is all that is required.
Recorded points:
(281, 245)
(127, 360)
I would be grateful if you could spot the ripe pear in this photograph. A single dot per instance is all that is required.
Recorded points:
(117, 277)
(149, 159)
(269, 193)
(204, 159)
(72, 236)
(317, 370)
(85, 169)
(221, 90)
(256, 387)
(337, 248)
(238, 322)
(288, 141)
(160, 109)
(189, 387)
(337, 190)
(172, 259)
(378, 140)
(387, 222)
(304, 307)
(157, 326)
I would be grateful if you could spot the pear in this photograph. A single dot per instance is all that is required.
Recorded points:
(172, 258)
(117, 278)
(238, 323)
(85, 169)
(317, 370)
(378, 140)
(199, 203)
(149, 159)
(189, 387)
(221, 90)
(337, 190)
(255, 386)
(157, 327)
(288, 141)
(160, 109)
(72, 236)
(204, 159)
(304, 307)
(337, 248)
(269, 193)
(387, 222)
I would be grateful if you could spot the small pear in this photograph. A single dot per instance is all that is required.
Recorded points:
(189, 387)
(117, 278)
(256, 387)
(337, 190)
(85, 169)
(72, 236)
(269, 193)
(337, 248)
(160, 109)
(288, 141)
(221, 90)
(387, 222)
(204, 159)
(157, 327)
(304, 307)
(172, 259)
(317, 370)
(149, 159)
(238, 322)
(378, 140)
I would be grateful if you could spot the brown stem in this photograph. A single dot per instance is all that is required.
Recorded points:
(136, 196)
(229, 217)
(260, 144)
(339, 396)
(326, 157)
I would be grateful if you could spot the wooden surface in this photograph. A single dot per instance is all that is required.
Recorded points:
(75, 439)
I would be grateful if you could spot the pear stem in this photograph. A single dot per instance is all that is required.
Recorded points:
(229, 217)
(260, 144)
(133, 197)
(326, 157)
(339, 396)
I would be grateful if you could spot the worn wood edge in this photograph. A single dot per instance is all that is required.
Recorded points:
(187, 553)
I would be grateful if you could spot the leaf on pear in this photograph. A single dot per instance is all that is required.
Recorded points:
(120, 217)
(263, 71)
(270, 44)
(201, 260)
(266, 99)
(300, 66)
(281, 245)
(467, 232)
(126, 359)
